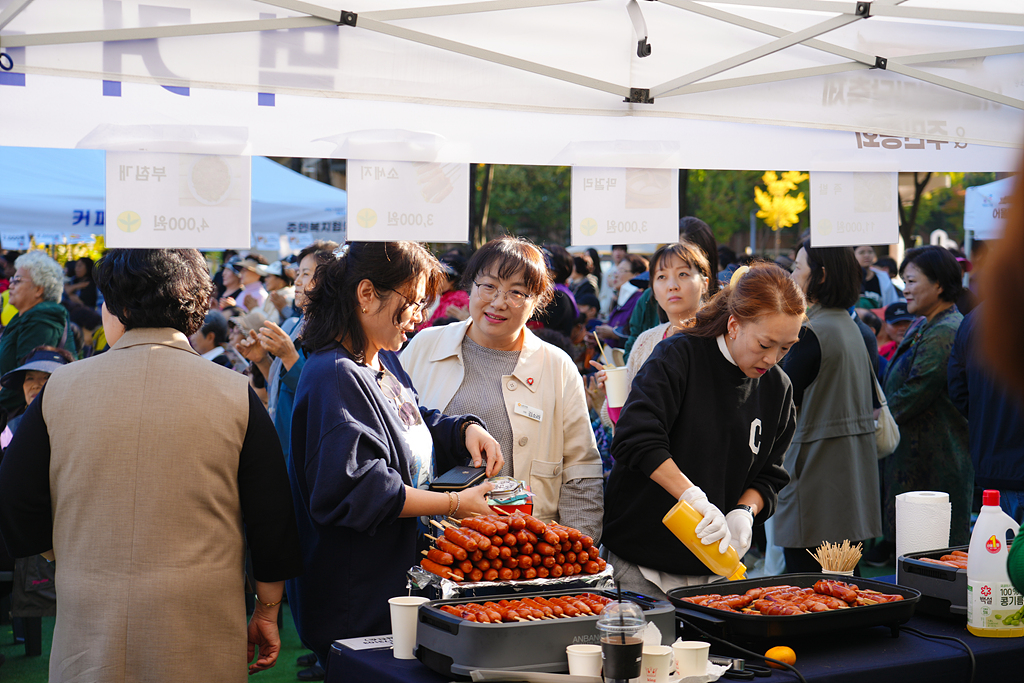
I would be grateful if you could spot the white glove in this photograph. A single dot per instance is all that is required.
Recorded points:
(741, 526)
(713, 527)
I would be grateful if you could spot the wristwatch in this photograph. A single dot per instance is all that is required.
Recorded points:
(749, 509)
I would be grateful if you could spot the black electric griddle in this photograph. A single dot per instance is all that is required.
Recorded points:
(728, 625)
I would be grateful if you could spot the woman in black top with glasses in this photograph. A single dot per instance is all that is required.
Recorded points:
(363, 449)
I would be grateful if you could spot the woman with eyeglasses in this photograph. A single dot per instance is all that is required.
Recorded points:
(363, 450)
(529, 392)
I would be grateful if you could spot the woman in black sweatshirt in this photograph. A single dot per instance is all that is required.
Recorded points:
(708, 420)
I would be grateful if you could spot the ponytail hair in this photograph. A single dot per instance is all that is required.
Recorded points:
(332, 306)
(760, 290)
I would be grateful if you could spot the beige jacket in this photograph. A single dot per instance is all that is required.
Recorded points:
(547, 452)
(147, 524)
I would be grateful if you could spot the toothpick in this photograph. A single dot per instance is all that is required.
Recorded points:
(601, 346)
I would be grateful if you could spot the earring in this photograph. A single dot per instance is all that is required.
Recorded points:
(364, 310)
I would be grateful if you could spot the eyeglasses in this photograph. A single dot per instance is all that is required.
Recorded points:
(419, 306)
(489, 293)
(15, 280)
(392, 389)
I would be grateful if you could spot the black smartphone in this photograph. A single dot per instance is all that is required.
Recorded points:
(459, 478)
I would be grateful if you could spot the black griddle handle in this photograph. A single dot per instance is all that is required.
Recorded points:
(700, 616)
(445, 623)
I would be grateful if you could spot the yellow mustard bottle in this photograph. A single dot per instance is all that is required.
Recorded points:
(682, 520)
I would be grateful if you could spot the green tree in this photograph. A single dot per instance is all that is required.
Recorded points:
(721, 199)
(943, 209)
(531, 202)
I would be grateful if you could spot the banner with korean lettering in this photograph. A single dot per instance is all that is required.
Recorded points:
(851, 209)
(624, 205)
(165, 200)
(408, 200)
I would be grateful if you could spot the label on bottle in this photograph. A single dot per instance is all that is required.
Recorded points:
(993, 545)
(994, 604)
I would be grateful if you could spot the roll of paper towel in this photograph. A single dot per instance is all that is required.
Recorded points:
(922, 521)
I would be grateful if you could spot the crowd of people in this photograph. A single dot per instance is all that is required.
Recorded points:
(289, 416)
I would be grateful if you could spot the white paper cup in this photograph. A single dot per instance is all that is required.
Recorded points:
(404, 617)
(691, 657)
(584, 660)
(657, 661)
(616, 387)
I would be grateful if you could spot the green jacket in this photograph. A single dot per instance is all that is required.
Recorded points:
(933, 454)
(43, 324)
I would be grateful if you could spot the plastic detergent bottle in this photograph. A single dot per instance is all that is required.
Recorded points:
(682, 520)
(994, 608)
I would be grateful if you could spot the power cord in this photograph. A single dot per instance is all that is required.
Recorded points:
(758, 656)
(933, 636)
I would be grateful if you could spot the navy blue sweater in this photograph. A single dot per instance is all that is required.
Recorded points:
(351, 467)
(995, 421)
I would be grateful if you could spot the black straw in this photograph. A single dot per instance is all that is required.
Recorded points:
(622, 622)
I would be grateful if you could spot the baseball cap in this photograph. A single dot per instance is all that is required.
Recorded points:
(897, 312)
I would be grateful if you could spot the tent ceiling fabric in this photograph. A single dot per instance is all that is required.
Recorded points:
(952, 68)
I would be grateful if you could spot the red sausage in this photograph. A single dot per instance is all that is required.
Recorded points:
(439, 556)
(535, 525)
(438, 569)
(461, 538)
(456, 551)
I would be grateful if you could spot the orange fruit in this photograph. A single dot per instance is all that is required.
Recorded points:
(781, 653)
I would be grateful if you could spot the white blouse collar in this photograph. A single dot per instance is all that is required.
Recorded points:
(724, 348)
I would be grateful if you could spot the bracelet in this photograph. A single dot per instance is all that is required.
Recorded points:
(266, 604)
(466, 425)
(454, 501)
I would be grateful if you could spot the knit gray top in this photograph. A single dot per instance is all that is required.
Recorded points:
(480, 393)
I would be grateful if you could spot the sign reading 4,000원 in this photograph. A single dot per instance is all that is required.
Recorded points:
(168, 200)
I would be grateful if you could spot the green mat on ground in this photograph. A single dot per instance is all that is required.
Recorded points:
(22, 669)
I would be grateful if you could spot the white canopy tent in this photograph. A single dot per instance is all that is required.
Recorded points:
(811, 84)
(61, 193)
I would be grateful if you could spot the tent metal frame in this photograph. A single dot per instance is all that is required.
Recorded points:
(846, 12)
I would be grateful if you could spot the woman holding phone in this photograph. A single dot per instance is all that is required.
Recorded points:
(363, 449)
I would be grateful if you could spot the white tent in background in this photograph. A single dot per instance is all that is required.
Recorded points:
(811, 84)
(59, 195)
(986, 208)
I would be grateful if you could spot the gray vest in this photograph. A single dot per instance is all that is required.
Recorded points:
(838, 401)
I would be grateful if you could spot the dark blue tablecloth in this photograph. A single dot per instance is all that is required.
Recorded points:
(869, 655)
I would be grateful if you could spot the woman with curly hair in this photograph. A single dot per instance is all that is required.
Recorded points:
(147, 492)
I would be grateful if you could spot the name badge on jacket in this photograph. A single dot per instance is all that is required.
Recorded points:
(527, 411)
